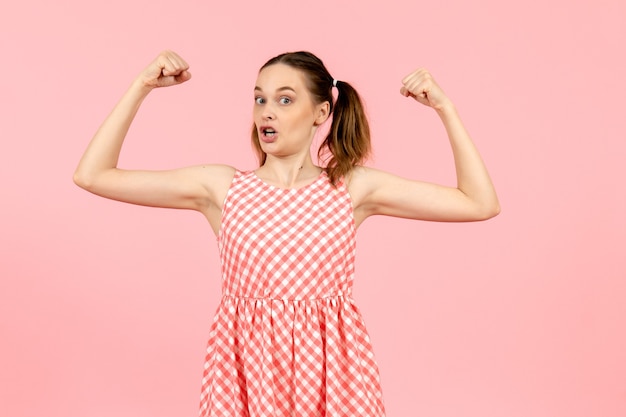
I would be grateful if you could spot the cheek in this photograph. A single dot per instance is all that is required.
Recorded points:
(304, 118)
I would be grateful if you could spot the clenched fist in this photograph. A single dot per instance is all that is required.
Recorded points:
(422, 87)
(166, 70)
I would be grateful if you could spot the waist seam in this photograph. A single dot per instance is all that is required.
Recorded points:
(292, 300)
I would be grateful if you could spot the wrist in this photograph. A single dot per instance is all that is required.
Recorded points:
(138, 87)
(445, 109)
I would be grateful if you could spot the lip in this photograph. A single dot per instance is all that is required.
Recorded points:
(265, 138)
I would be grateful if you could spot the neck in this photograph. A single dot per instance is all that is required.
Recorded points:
(288, 172)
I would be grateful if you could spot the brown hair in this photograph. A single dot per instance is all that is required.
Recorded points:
(348, 141)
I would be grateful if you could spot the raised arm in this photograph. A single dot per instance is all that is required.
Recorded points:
(201, 187)
(474, 197)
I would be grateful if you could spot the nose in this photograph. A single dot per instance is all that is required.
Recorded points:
(268, 111)
(268, 114)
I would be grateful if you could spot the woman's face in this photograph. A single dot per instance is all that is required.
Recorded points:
(284, 113)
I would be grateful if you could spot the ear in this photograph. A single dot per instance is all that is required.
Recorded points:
(322, 111)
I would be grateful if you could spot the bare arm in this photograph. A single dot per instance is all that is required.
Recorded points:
(474, 198)
(198, 188)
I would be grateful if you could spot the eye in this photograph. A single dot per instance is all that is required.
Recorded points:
(259, 100)
(284, 100)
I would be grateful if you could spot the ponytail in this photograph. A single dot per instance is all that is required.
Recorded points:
(347, 144)
(348, 140)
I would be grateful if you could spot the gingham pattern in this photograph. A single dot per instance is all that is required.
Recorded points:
(287, 339)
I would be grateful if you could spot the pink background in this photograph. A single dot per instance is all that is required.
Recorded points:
(105, 307)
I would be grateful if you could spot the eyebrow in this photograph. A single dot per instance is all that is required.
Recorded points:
(257, 88)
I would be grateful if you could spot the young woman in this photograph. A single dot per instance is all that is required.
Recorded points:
(287, 338)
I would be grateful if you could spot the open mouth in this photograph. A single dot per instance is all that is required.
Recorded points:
(269, 132)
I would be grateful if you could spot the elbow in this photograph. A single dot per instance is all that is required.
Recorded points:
(495, 207)
(494, 212)
(488, 212)
(82, 180)
(78, 179)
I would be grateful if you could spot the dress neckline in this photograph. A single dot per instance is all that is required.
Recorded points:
(317, 179)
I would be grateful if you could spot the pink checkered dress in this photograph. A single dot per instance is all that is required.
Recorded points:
(287, 339)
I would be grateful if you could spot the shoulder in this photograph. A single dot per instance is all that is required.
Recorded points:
(225, 172)
(362, 181)
(216, 178)
(215, 175)
(372, 189)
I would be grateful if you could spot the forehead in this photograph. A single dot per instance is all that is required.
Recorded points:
(280, 75)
